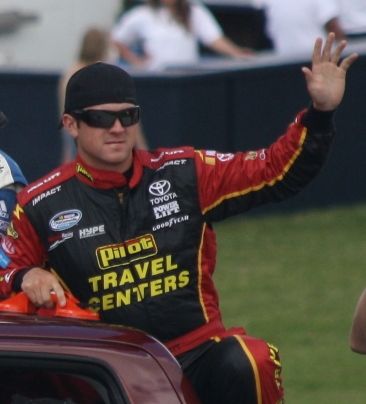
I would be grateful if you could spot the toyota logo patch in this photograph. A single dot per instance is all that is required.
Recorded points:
(159, 188)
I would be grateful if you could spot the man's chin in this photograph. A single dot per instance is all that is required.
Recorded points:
(117, 159)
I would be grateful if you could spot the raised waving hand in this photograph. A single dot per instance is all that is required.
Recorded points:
(327, 76)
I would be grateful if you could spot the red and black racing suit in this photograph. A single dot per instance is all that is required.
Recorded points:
(141, 248)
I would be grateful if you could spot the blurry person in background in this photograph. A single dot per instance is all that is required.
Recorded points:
(353, 18)
(12, 181)
(169, 33)
(293, 26)
(357, 339)
(94, 47)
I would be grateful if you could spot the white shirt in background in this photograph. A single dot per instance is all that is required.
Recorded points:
(163, 39)
(353, 16)
(293, 25)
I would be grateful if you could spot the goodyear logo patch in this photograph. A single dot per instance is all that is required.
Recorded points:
(114, 255)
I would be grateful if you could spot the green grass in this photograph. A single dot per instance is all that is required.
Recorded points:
(294, 280)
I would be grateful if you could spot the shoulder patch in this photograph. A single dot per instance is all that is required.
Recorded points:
(160, 157)
(46, 184)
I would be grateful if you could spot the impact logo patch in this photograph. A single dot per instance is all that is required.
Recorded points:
(65, 220)
(46, 194)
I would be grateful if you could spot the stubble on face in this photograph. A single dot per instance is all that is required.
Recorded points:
(107, 149)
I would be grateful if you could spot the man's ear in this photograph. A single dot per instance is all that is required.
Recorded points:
(70, 124)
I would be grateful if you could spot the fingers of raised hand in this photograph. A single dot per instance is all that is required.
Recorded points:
(326, 54)
(336, 55)
(317, 53)
(327, 50)
(348, 61)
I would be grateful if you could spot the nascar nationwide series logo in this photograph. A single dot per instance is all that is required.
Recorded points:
(65, 220)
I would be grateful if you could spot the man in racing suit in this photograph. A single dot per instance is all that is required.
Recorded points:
(130, 234)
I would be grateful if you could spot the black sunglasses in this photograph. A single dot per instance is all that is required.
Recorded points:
(98, 118)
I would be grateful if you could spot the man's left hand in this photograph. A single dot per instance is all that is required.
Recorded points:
(327, 76)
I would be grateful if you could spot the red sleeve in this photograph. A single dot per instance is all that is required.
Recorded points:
(233, 183)
(26, 249)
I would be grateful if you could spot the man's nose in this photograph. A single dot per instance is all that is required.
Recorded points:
(117, 126)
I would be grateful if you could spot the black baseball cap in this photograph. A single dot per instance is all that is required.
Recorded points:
(99, 83)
